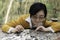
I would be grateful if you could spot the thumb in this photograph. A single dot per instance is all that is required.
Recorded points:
(37, 28)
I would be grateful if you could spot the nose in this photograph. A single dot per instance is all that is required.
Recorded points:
(37, 20)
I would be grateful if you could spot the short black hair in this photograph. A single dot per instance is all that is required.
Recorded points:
(37, 7)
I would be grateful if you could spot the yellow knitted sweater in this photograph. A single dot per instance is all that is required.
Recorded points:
(21, 21)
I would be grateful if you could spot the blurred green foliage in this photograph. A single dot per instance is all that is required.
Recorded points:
(20, 7)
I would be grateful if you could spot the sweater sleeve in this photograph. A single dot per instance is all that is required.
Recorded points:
(53, 26)
(13, 23)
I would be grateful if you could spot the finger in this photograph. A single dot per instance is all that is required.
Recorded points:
(22, 29)
(17, 30)
(19, 27)
(37, 28)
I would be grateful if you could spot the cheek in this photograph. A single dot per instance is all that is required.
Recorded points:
(41, 20)
(34, 21)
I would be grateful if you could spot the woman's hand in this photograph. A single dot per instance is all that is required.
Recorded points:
(19, 28)
(42, 28)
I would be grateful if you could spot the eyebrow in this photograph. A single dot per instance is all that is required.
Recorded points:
(37, 16)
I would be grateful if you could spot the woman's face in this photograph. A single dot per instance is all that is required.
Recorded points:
(38, 19)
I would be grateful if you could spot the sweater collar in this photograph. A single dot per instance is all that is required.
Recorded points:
(29, 21)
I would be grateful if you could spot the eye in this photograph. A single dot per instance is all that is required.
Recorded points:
(42, 17)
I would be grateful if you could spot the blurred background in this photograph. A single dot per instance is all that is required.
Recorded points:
(12, 9)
